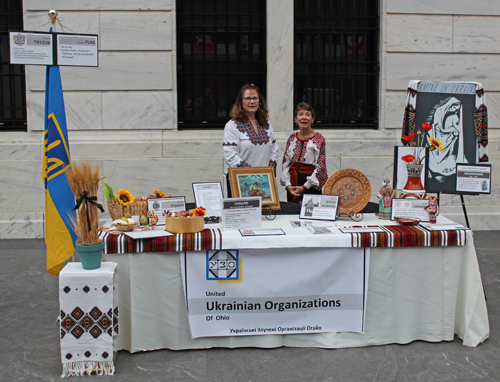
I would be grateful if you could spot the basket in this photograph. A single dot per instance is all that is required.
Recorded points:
(117, 211)
(184, 225)
(126, 227)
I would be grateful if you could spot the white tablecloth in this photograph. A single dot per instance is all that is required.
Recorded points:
(424, 293)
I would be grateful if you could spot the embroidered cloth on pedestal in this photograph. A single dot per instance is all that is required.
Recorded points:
(89, 318)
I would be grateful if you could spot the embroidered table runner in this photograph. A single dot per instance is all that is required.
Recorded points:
(409, 236)
(199, 241)
(89, 318)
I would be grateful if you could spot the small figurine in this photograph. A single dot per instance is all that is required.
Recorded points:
(385, 194)
(432, 209)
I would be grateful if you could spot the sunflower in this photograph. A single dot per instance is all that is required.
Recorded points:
(124, 197)
(159, 194)
(435, 144)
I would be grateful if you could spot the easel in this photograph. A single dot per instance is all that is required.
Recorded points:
(463, 208)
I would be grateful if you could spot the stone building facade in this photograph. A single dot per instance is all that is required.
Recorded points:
(123, 116)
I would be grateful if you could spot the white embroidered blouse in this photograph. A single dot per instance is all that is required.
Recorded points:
(312, 152)
(243, 147)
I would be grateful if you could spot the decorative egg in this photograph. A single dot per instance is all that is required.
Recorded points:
(150, 213)
(154, 219)
(144, 220)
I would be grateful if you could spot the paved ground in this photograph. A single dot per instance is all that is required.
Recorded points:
(29, 340)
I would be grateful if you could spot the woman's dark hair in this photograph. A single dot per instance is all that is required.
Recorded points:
(304, 106)
(238, 113)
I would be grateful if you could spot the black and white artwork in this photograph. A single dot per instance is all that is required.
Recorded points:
(449, 109)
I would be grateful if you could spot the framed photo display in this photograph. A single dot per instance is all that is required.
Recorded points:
(255, 181)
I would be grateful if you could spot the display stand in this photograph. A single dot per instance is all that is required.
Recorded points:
(356, 217)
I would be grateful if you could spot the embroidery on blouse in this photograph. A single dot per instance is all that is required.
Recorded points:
(243, 164)
(259, 138)
(229, 144)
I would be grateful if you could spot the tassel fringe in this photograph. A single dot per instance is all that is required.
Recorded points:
(80, 368)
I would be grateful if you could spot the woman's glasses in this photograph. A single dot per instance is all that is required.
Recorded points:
(251, 99)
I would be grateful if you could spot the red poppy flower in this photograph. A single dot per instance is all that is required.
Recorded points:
(426, 126)
(409, 138)
(408, 158)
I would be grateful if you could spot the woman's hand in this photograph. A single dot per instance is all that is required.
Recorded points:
(296, 191)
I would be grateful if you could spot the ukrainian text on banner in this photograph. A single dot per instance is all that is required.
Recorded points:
(275, 291)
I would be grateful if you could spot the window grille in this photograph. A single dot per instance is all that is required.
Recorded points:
(12, 84)
(220, 46)
(336, 67)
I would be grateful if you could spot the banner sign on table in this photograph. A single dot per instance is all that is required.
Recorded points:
(244, 292)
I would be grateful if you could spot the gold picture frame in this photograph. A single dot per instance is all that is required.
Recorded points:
(255, 181)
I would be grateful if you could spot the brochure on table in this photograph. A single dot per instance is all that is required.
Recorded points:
(410, 208)
(241, 213)
(319, 207)
(473, 179)
(162, 205)
(209, 196)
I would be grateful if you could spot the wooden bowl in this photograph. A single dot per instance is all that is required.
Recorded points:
(184, 225)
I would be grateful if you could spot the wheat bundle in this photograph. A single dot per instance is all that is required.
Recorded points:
(83, 178)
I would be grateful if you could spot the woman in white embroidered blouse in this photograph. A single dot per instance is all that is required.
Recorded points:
(248, 137)
(304, 161)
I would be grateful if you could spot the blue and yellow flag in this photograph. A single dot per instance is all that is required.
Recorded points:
(59, 199)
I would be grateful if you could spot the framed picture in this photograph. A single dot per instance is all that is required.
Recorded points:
(449, 109)
(400, 175)
(255, 181)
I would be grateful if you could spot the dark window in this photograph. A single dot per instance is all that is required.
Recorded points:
(12, 86)
(220, 47)
(336, 66)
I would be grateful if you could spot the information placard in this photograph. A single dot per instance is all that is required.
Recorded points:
(162, 205)
(241, 213)
(319, 207)
(31, 48)
(474, 179)
(209, 196)
(410, 208)
(77, 50)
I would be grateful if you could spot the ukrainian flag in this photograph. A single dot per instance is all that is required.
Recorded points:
(59, 199)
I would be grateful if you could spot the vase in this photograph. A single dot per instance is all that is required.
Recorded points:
(90, 255)
(413, 187)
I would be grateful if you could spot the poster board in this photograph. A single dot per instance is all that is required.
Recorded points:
(449, 107)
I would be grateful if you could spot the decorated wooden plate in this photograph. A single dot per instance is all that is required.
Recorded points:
(353, 188)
